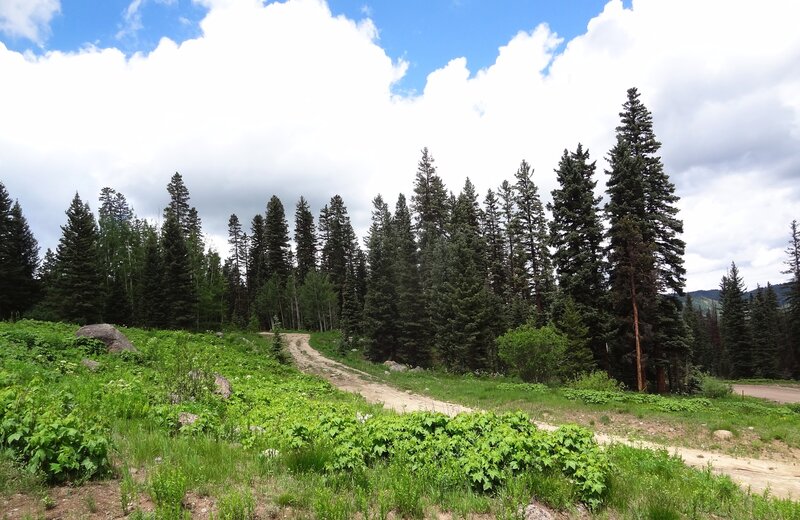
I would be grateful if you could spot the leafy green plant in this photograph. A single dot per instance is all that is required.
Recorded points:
(168, 486)
(598, 380)
(236, 505)
(535, 354)
(714, 388)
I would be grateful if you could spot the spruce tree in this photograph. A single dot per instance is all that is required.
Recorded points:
(517, 309)
(642, 210)
(19, 259)
(305, 240)
(257, 270)
(703, 355)
(236, 267)
(380, 308)
(178, 289)
(276, 239)
(412, 348)
(734, 324)
(534, 240)
(179, 202)
(793, 304)
(766, 330)
(151, 306)
(78, 286)
(116, 243)
(338, 245)
(576, 235)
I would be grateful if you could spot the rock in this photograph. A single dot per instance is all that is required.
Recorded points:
(386, 372)
(394, 366)
(108, 334)
(222, 386)
(90, 364)
(174, 398)
(417, 369)
(219, 334)
(536, 511)
(722, 435)
(186, 419)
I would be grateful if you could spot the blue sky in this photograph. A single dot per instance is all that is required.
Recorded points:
(315, 99)
(425, 33)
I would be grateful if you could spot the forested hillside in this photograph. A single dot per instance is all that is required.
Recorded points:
(458, 280)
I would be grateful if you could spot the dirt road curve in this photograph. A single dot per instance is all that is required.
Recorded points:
(780, 394)
(781, 478)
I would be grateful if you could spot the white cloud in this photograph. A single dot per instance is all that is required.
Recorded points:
(29, 19)
(285, 98)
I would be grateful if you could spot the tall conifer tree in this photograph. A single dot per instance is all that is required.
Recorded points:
(734, 324)
(305, 239)
(78, 286)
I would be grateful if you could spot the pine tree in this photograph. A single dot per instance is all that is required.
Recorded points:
(534, 241)
(703, 355)
(351, 312)
(257, 269)
(576, 235)
(236, 266)
(734, 324)
(305, 240)
(276, 231)
(380, 308)
(579, 358)
(429, 202)
(642, 210)
(338, 245)
(793, 308)
(179, 202)
(151, 312)
(178, 289)
(412, 348)
(517, 308)
(19, 259)
(495, 244)
(765, 326)
(116, 243)
(78, 286)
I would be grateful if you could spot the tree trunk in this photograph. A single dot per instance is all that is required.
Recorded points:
(640, 382)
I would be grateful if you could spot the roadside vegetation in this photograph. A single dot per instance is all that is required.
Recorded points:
(598, 402)
(286, 443)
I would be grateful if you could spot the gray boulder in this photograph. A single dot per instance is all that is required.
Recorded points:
(108, 334)
(222, 386)
(187, 419)
(394, 366)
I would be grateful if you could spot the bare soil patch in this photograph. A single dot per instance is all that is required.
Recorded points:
(777, 393)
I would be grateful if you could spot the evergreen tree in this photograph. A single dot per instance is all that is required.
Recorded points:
(703, 354)
(305, 240)
(578, 356)
(178, 290)
(576, 235)
(534, 241)
(351, 312)
(116, 243)
(766, 329)
(19, 259)
(277, 240)
(734, 324)
(793, 307)
(257, 268)
(380, 308)
(236, 266)
(429, 202)
(412, 348)
(517, 308)
(642, 210)
(152, 309)
(179, 202)
(338, 245)
(495, 244)
(78, 286)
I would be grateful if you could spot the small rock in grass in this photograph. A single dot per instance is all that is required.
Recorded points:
(722, 435)
(536, 511)
(90, 364)
(394, 366)
(386, 372)
(186, 419)
(222, 386)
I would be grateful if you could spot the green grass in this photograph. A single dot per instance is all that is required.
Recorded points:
(736, 413)
(294, 446)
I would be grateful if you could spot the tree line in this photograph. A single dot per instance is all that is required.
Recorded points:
(439, 278)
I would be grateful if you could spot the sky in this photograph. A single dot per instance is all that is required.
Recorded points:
(247, 99)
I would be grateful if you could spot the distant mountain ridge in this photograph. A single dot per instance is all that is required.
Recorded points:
(706, 299)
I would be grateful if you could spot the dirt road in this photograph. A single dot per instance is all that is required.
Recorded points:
(780, 394)
(781, 478)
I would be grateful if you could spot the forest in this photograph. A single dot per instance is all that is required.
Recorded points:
(455, 281)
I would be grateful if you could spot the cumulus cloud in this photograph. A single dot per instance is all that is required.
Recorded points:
(29, 19)
(286, 98)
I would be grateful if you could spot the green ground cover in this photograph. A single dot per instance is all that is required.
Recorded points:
(756, 424)
(289, 444)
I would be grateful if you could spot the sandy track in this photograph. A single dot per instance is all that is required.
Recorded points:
(781, 478)
(780, 394)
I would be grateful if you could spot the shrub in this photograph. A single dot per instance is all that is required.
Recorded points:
(713, 388)
(535, 354)
(598, 380)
